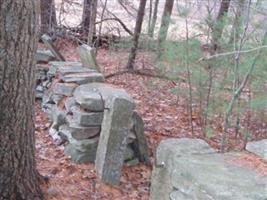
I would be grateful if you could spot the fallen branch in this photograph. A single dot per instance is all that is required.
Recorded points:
(144, 73)
(114, 18)
(231, 53)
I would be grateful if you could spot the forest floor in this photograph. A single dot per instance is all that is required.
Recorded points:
(164, 115)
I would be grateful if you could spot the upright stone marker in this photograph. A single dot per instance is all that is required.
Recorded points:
(87, 55)
(49, 44)
(113, 138)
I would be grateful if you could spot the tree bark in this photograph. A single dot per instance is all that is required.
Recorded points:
(48, 17)
(19, 179)
(219, 24)
(165, 22)
(89, 19)
(236, 28)
(154, 19)
(137, 31)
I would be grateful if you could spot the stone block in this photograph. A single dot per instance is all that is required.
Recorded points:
(82, 151)
(86, 118)
(82, 77)
(89, 100)
(79, 132)
(44, 56)
(65, 89)
(113, 138)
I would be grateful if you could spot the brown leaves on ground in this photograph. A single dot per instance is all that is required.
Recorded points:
(164, 115)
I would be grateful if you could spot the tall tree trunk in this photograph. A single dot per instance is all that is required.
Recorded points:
(137, 31)
(219, 23)
(165, 22)
(89, 19)
(236, 28)
(48, 17)
(154, 19)
(19, 179)
(86, 16)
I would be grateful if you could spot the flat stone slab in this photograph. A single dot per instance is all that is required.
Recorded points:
(68, 66)
(87, 55)
(69, 103)
(82, 77)
(79, 132)
(106, 91)
(89, 100)
(258, 147)
(82, 151)
(86, 118)
(188, 169)
(65, 89)
(44, 56)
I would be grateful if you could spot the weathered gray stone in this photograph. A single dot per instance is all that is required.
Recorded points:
(49, 44)
(87, 118)
(89, 95)
(44, 56)
(69, 103)
(82, 78)
(82, 151)
(258, 147)
(65, 89)
(58, 116)
(79, 132)
(190, 169)
(132, 162)
(129, 153)
(66, 67)
(87, 55)
(113, 138)
(73, 69)
(140, 145)
(88, 99)
(54, 134)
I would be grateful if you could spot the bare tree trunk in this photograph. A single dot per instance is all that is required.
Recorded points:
(165, 22)
(86, 16)
(154, 19)
(236, 28)
(92, 29)
(137, 31)
(19, 179)
(149, 15)
(219, 24)
(48, 17)
(89, 19)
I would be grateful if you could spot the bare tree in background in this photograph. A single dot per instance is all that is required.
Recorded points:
(137, 31)
(219, 23)
(89, 19)
(19, 178)
(154, 19)
(165, 22)
(48, 17)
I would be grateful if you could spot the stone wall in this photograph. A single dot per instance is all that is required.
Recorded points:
(94, 121)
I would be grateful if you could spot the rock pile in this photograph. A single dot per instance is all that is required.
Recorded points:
(96, 121)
